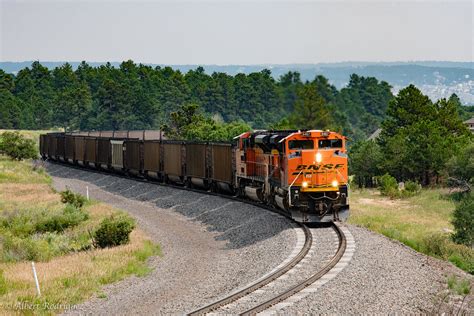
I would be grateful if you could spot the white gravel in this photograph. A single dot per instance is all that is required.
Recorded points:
(211, 245)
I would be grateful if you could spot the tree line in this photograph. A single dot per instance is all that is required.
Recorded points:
(137, 96)
(417, 137)
(418, 141)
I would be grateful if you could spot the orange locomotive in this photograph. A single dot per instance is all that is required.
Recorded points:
(302, 172)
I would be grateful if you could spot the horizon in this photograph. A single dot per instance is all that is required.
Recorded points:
(248, 64)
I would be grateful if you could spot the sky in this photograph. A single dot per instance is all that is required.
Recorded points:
(236, 32)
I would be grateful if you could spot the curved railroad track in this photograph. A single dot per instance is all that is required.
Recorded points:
(284, 290)
(289, 266)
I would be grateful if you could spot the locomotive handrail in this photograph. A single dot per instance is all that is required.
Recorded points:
(289, 188)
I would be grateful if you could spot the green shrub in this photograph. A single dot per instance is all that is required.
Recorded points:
(436, 245)
(72, 198)
(71, 216)
(114, 231)
(413, 187)
(440, 245)
(16, 146)
(40, 247)
(28, 222)
(388, 186)
(463, 222)
(459, 286)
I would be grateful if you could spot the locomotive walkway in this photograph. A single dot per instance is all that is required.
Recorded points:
(213, 246)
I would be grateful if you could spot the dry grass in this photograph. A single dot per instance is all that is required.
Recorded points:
(71, 278)
(21, 172)
(23, 195)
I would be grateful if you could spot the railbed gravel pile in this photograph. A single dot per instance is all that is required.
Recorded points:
(210, 245)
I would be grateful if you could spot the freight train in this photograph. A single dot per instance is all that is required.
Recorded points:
(303, 172)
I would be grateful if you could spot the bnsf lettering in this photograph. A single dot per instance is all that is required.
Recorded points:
(317, 167)
(314, 168)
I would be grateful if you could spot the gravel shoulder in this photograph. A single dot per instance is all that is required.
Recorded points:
(210, 245)
(385, 277)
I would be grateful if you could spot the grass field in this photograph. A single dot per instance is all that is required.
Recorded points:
(422, 222)
(66, 277)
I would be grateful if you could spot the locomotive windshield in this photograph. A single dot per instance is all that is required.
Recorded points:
(330, 143)
(301, 144)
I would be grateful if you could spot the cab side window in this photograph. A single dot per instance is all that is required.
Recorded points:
(300, 144)
(330, 143)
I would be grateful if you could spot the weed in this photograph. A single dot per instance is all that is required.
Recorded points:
(3, 284)
(73, 199)
(458, 286)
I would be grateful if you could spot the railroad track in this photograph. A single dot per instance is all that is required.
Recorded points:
(292, 266)
(279, 289)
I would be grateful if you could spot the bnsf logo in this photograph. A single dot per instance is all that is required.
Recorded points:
(318, 167)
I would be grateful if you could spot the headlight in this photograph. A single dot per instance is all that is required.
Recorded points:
(335, 183)
(304, 184)
(319, 157)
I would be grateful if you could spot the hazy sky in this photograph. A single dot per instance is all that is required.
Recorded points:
(231, 32)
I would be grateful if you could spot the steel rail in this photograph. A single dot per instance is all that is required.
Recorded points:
(253, 287)
(299, 287)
